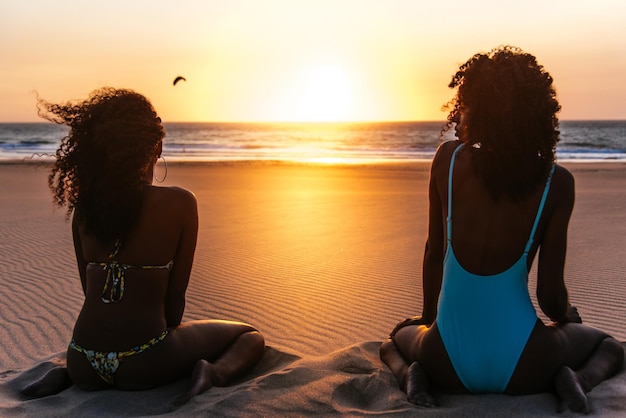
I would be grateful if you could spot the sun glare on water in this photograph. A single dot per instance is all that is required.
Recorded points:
(326, 97)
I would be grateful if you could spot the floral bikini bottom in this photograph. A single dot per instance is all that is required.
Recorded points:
(106, 363)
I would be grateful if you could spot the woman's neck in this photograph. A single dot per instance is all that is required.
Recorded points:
(147, 179)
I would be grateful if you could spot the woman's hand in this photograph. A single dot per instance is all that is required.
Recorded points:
(414, 320)
(573, 315)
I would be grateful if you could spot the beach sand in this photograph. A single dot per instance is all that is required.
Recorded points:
(323, 260)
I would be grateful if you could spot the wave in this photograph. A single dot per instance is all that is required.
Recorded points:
(199, 141)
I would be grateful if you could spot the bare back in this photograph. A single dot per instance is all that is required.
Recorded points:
(166, 232)
(489, 236)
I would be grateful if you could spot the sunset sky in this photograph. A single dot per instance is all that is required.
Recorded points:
(287, 60)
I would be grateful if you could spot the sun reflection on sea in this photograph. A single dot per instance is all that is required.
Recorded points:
(330, 160)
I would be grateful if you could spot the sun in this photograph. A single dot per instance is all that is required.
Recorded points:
(326, 96)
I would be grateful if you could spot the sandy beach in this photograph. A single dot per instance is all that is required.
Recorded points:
(323, 259)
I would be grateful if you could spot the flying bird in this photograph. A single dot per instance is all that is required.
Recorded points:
(177, 79)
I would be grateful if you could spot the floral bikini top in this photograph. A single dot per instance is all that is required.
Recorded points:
(113, 290)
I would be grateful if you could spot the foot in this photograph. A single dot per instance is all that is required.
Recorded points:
(570, 391)
(53, 382)
(417, 386)
(202, 379)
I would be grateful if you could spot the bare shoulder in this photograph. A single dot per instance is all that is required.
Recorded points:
(563, 181)
(562, 190)
(173, 196)
(563, 176)
(445, 150)
(177, 193)
(441, 161)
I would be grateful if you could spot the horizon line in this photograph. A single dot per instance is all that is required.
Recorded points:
(328, 122)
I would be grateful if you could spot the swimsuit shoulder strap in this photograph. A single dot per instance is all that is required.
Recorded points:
(449, 217)
(539, 210)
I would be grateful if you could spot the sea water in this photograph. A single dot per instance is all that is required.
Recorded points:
(597, 141)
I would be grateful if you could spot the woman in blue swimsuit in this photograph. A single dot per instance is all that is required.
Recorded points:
(496, 199)
(135, 245)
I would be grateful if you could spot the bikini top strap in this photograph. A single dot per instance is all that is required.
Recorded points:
(449, 218)
(539, 211)
(118, 245)
(114, 282)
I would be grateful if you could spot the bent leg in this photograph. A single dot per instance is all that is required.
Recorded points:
(410, 376)
(424, 345)
(54, 381)
(214, 352)
(242, 354)
(401, 350)
(416, 357)
(593, 354)
(418, 387)
(591, 357)
(572, 358)
(391, 356)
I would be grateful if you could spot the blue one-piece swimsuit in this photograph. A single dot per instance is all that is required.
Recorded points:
(485, 321)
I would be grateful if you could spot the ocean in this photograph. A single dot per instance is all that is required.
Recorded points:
(597, 141)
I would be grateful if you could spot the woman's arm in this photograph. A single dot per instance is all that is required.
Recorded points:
(432, 272)
(80, 258)
(186, 208)
(432, 269)
(551, 290)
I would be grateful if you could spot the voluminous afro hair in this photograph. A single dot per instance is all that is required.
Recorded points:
(509, 110)
(102, 163)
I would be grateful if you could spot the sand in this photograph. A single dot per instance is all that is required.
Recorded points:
(324, 260)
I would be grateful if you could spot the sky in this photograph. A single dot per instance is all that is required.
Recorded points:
(299, 60)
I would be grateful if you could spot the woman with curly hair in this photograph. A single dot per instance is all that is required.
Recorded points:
(496, 199)
(134, 245)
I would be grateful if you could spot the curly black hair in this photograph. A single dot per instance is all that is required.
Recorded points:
(509, 111)
(101, 164)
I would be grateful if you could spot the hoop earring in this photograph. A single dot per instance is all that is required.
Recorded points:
(165, 175)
